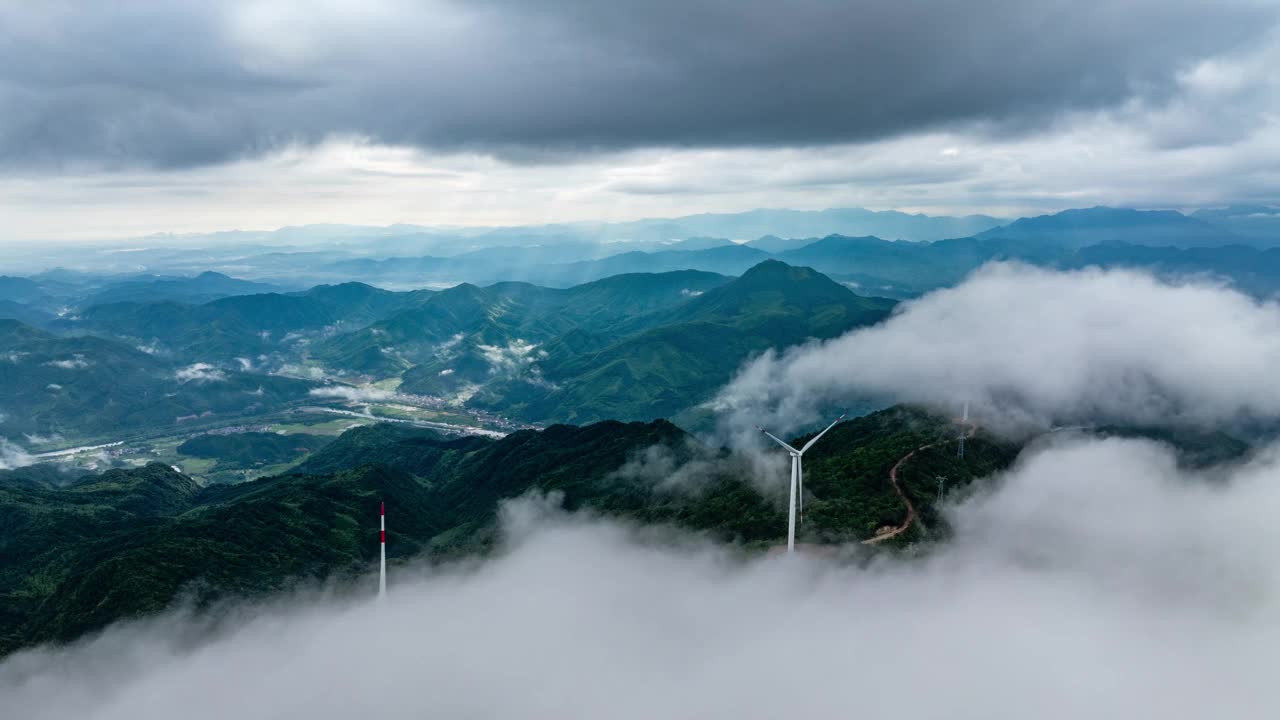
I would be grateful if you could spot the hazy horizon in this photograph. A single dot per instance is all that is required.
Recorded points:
(1001, 218)
(444, 227)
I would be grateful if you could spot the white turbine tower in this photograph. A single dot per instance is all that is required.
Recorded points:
(797, 480)
(964, 427)
(382, 560)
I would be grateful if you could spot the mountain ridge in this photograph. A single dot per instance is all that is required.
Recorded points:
(132, 542)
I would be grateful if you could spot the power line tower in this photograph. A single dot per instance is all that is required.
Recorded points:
(964, 428)
(942, 481)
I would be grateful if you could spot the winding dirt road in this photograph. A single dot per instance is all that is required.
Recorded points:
(883, 534)
(897, 487)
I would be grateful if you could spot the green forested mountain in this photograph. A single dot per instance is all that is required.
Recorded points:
(414, 450)
(250, 449)
(675, 359)
(41, 475)
(20, 289)
(455, 328)
(242, 326)
(399, 328)
(205, 287)
(79, 526)
(726, 260)
(444, 319)
(129, 542)
(631, 347)
(23, 313)
(89, 385)
(357, 304)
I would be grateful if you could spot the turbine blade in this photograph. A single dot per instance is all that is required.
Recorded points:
(819, 435)
(775, 439)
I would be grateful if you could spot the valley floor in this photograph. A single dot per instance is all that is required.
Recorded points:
(315, 419)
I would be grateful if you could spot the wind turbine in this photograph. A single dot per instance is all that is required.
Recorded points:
(797, 479)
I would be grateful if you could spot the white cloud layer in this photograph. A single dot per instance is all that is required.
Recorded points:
(1031, 345)
(1096, 580)
(199, 373)
(353, 394)
(512, 358)
(77, 362)
(12, 455)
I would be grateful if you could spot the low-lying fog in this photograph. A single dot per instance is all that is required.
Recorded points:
(1095, 579)
(1031, 346)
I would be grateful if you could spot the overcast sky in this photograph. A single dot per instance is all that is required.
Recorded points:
(139, 116)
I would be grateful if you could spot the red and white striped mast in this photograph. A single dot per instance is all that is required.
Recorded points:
(382, 560)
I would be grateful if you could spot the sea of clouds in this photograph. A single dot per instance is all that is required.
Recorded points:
(1095, 578)
(1029, 346)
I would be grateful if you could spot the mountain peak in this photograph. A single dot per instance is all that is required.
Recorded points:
(771, 272)
(771, 284)
(798, 284)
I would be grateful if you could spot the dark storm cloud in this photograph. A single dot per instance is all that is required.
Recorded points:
(146, 82)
